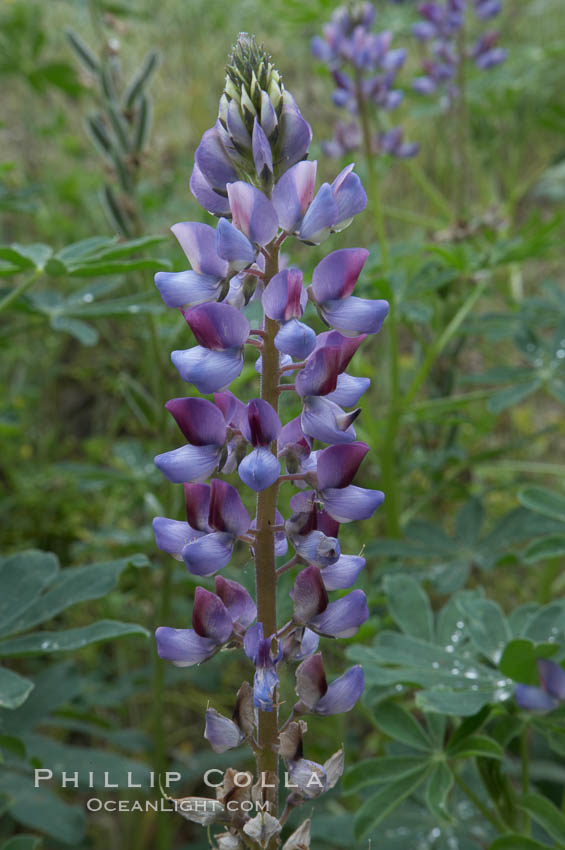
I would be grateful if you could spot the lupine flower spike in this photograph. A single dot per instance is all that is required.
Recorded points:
(364, 67)
(438, 31)
(251, 171)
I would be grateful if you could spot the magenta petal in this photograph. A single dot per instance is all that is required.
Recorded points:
(349, 390)
(208, 554)
(221, 732)
(171, 536)
(319, 376)
(208, 370)
(307, 646)
(347, 346)
(293, 194)
(263, 424)
(311, 684)
(552, 678)
(206, 196)
(197, 501)
(355, 315)
(259, 469)
(343, 693)
(234, 246)
(252, 212)
(343, 617)
(210, 617)
(309, 595)
(238, 601)
(284, 297)
(217, 326)
(343, 573)
(336, 275)
(320, 216)
(296, 338)
(183, 646)
(227, 511)
(182, 289)
(188, 463)
(352, 503)
(338, 465)
(325, 421)
(213, 161)
(198, 241)
(201, 422)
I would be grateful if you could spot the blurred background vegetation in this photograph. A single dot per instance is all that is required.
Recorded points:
(85, 367)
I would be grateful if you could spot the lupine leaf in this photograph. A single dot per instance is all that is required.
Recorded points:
(543, 501)
(519, 658)
(486, 623)
(439, 785)
(475, 746)
(22, 578)
(544, 812)
(409, 606)
(517, 842)
(64, 641)
(381, 769)
(401, 725)
(385, 801)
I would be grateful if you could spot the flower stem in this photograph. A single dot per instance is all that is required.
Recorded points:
(265, 561)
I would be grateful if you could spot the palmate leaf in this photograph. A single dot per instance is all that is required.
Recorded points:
(41, 809)
(23, 577)
(546, 814)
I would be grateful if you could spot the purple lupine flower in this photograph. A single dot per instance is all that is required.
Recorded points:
(364, 67)
(551, 692)
(318, 697)
(251, 171)
(438, 32)
(259, 649)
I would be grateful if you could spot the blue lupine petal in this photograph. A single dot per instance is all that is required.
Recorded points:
(183, 646)
(208, 554)
(262, 153)
(296, 338)
(343, 573)
(221, 732)
(325, 421)
(213, 162)
(198, 241)
(295, 135)
(234, 246)
(171, 535)
(284, 297)
(317, 548)
(309, 595)
(212, 201)
(264, 683)
(293, 194)
(355, 315)
(227, 511)
(352, 503)
(349, 390)
(252, 212)
(259, 469)
(534, 699)
(187, 289)
(320, 216)
(343, 617)
(343, 693)
(188, 463)
(208, 370)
